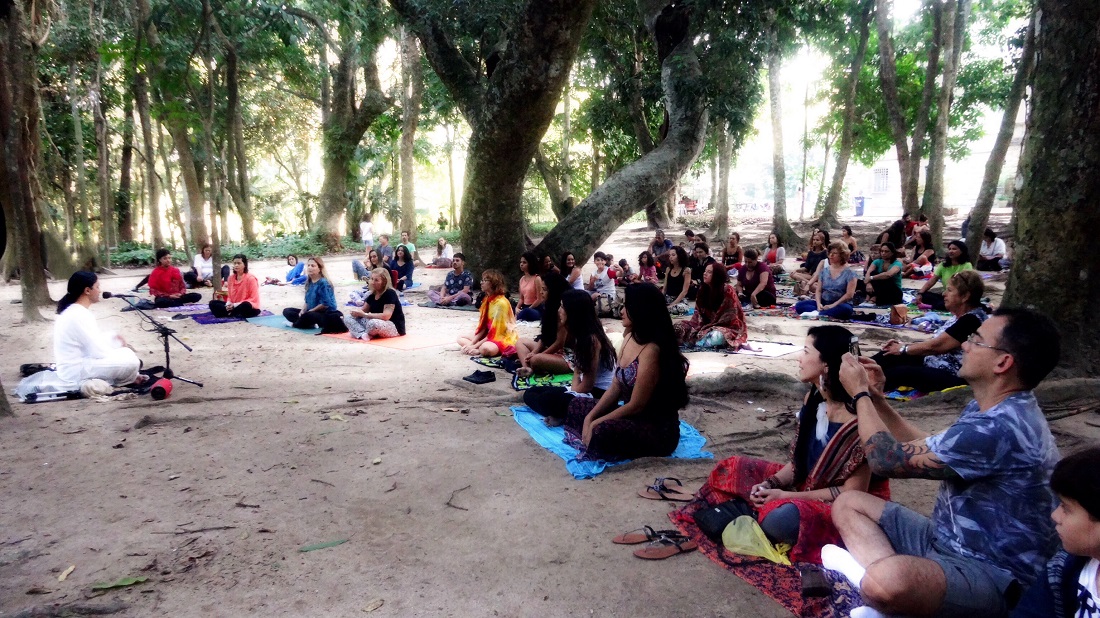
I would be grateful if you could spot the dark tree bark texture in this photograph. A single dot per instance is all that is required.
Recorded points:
(656, 173)
(5, 403)
(1057, 266)
(19, 116)
(722, 203)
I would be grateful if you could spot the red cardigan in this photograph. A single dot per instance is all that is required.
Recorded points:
(166, 281)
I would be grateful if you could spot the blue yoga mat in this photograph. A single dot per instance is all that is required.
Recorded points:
(278, 321)
(553, 440)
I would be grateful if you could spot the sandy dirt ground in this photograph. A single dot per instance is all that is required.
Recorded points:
(298, 440)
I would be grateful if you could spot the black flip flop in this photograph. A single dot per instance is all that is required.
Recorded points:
(481, 377)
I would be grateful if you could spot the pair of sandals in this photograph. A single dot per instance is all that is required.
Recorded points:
(660, 544)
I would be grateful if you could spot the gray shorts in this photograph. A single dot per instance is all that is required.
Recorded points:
(974, 588)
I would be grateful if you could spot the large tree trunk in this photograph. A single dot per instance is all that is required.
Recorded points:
(344, 123)
(237, 181)
(558, 197)
(451, 174)
(509, 113)
(123, 197)
(979, 215)
(192, 185)
(1057, 206)
(107, 225)
(888, 76)
(954, 19)
(79, 172)
(152, 191)
(656, 173)
(722, 203)
(779, 217)
(829, 219)
(412, 89)
(19, 115)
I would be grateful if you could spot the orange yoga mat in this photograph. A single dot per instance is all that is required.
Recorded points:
(414, 341)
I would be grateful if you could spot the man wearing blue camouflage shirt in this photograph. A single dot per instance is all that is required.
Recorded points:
(990, 531)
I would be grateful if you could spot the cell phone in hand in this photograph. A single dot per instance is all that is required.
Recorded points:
(853, 346)
(814, 583)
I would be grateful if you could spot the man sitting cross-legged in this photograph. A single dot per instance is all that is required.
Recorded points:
(990, 531)
(456, 288)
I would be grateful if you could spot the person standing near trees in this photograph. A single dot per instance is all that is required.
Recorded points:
(166, 284)
(366, 232)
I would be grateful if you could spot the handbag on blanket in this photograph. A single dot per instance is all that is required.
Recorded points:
(713, 520)
(899, 314)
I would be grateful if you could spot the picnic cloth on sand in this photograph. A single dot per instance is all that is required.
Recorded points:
(541, 379)
(781, 583)
(206, 318)
(278, 321)
(553, 440)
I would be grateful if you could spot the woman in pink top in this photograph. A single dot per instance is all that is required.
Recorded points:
(529, 308)
(243, 293)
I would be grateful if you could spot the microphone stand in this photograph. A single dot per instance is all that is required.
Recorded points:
(164, 333)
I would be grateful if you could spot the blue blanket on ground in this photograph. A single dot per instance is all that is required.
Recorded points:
(278, 321)
(553, 439)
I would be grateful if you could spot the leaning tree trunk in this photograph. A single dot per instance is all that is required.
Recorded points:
(19, 115)
(955, 16)
(1058, 206)
(78, 160)
(107, 226)
(829, 219)
(412, 91)
(780, 226)
(979, 215)
(888, 76)
(237, 182)
(722, 203)
(124, 207)
(152, 191)
(192, 185)
(558, 199)
(656, 173)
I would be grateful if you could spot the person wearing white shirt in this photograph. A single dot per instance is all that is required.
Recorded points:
(81, 350)
(202, 269)
(366, 232)
(991, 253)
(444, 253)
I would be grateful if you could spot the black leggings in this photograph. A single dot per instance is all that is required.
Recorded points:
(330, 320)
(191, 277)
(885, 291)
(552, 400)
(911, 371)
(163, 302)
(241, 311)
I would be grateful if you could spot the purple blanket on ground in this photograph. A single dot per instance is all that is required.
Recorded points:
(209, 318)
(188, 308)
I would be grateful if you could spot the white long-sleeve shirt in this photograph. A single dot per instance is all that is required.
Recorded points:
(204, 266)
(76, 337)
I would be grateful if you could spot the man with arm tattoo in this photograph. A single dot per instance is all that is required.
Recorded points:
(989, 533)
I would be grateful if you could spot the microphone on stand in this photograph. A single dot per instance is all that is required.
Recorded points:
(115, 295)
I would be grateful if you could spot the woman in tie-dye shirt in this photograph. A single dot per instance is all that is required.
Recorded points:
(496, 333)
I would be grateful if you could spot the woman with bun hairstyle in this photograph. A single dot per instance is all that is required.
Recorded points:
(81, 350)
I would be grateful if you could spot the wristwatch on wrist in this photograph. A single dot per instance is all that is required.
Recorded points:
(904, 350)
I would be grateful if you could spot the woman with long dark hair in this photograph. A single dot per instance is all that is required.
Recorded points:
(529, 309)
(883, 277)
(242, 293)
(403, 264)
(719, 320)
(924, 256)
(647, 269)
(957, 260)
(589, 353)
(546, 353)
(81, 350)
(571, 271)
(794, 499)
(649, 380)
(677, 280)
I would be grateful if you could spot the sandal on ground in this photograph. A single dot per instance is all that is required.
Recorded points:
(665, 547)
(644, 534)
(660, 491)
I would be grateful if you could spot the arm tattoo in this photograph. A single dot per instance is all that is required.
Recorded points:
(892, 459)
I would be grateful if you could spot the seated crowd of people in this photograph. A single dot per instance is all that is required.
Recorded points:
(1013, 529)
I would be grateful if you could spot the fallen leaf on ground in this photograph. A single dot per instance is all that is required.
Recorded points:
(122, 583)
(65, 574)
(38, 590)
(324, 545)
(373, 605)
